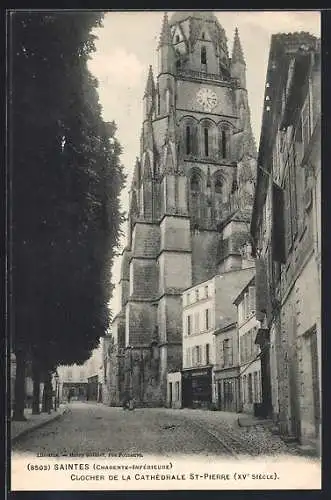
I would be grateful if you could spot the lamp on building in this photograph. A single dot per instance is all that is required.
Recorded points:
(56, 398)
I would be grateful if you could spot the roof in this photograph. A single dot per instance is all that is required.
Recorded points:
(182, 15)
(250, 283)
(230, 285)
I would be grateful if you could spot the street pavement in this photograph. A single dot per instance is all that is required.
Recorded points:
(89, 428)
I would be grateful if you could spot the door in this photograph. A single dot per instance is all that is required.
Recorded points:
(170, 393)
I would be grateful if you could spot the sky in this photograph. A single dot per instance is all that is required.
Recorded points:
(127, 45)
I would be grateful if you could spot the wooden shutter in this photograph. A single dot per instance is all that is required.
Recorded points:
(287, 213)
(221, 355)
(251, 299)
(278, 228)
(292, 170)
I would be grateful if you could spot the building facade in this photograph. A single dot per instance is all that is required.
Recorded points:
(249, 351)
(287, 233)
(210, 344)
(226, 369)
(191, 195)
(73, 382)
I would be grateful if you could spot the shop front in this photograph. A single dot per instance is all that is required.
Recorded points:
(197, 388)
(228, 390)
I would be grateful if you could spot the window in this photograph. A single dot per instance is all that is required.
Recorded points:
(196, 355)
(206, 139)
(189, 326)
(177, 38)
(218, 185)
(250, 389)
(207, 354)
(224, 144)
(244, 388)
(256, 388)
(203, 55)
(195, 182)
(251, 299)
(207, 319)
(206, 291)
(158, 103)
(197, 294)
(188, 298)
(188, 140)
(227, 352)
(203, 36)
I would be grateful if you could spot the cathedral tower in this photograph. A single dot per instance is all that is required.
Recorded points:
(191, 194)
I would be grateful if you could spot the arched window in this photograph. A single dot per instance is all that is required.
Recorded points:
(188, 140)
(224, 144)
(195, 182)
(203, 55)
(206, 141)
(218, 185)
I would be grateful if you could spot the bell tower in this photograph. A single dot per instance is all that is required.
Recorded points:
(191, 193)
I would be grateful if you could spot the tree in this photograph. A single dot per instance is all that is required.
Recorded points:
(66, 179)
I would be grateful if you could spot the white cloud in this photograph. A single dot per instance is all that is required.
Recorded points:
(118, 67)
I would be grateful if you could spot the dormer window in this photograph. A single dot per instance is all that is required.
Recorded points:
(203, 55)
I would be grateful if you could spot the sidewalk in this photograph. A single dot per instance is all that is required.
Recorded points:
(19, 429)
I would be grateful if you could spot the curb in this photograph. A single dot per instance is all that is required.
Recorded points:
(25, 432)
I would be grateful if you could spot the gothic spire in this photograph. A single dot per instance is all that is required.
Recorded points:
(237, 52)
(136, 174)
(165, 37)
(150, 86)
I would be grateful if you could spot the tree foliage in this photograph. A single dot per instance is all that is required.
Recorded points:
(66, 179)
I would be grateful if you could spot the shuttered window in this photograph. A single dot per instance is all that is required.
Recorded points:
(251, 299)
(221, 355)
(287, 212)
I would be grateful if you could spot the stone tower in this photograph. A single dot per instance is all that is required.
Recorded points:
(191, 195)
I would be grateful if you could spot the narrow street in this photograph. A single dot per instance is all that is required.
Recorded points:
(88, 429)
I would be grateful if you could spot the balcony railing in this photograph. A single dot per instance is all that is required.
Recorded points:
(190, 73)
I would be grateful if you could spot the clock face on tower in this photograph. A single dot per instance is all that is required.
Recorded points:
(207, 99)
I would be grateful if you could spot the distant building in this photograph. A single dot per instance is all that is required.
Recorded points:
(249, 351)
(286, 229)
(73, 381)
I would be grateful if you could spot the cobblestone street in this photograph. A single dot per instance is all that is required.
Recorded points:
(90, 428)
